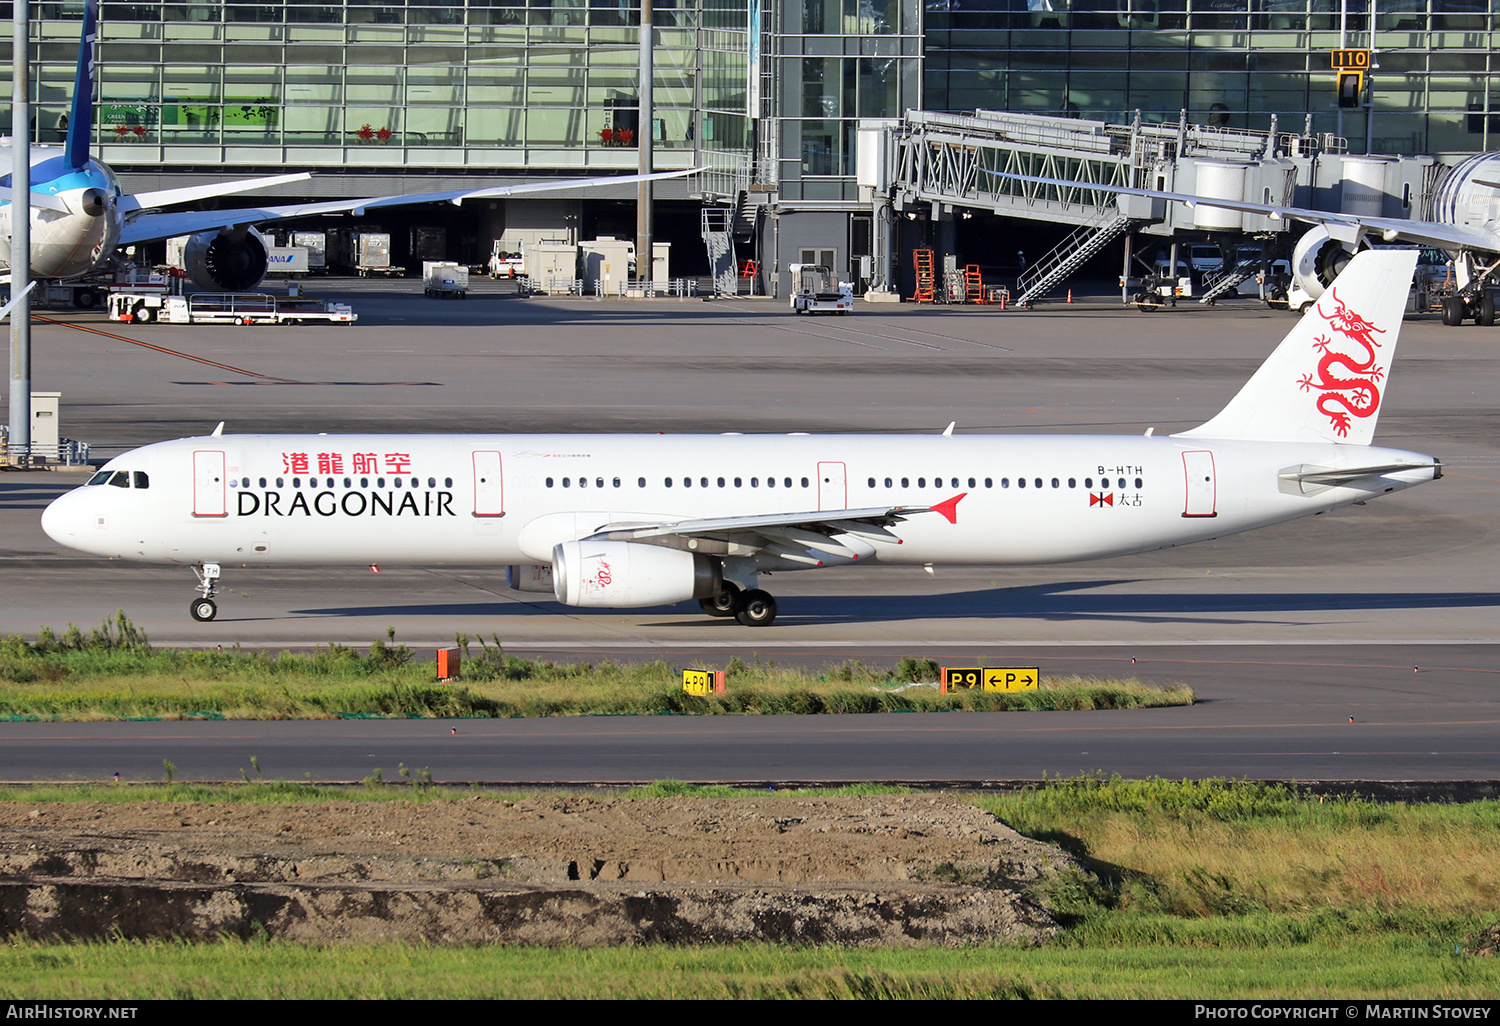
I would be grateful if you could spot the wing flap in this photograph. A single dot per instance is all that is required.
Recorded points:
(764, 524)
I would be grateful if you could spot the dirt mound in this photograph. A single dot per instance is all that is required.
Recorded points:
(546, 870)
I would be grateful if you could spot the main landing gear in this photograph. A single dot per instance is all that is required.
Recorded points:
(204, 608)
(1480, 306)
(753, 608)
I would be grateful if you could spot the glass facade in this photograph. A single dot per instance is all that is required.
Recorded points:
(493, 83)
(839, 61)
(517, 85)
(1228, 62)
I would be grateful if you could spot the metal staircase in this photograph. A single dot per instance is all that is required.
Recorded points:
(1228, 283)
(922, 260)
(1071, 254)
(746, 212)
(718, 236)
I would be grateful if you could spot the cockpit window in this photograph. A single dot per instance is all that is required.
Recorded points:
(120, 479)
(100, 477)
(139, 479)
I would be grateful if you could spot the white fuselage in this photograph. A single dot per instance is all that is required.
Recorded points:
(508, 499)
(64, 243)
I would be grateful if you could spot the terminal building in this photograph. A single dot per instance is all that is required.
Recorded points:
(385, 96)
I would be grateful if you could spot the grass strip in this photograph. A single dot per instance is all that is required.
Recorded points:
(1364, 967)
(115, 674)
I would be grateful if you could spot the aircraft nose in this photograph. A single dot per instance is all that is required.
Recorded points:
(61, 519)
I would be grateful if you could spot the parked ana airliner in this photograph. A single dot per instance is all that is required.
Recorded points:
(79, 216)
(647, 520)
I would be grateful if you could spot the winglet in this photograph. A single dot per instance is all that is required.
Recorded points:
(81, 120)
(949, 508)
(218, 430)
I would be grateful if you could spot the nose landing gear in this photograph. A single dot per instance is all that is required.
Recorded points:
(204, 608)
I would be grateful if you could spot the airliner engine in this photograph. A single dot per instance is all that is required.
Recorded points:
(1317, 260)
(624, 574)
(230, 260)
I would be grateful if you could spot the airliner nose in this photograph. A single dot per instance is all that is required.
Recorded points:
(60, 519)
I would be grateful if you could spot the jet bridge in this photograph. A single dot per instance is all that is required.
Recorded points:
(942, 162)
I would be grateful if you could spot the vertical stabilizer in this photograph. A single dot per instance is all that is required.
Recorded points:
(81, 120)
(1325, 382)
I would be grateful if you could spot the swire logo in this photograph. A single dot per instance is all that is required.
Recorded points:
(1101, 499)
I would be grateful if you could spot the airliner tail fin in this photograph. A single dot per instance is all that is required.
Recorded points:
(1326, 380)
(81, 120)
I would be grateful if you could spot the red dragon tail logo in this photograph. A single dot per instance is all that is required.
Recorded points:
(1346, 378)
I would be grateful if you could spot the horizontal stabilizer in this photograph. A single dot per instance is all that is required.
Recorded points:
(1309, 480)
(38, 199)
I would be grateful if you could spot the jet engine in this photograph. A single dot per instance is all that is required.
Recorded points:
(229, 260)
(623, 574)
(532, 577)
(1318, 259)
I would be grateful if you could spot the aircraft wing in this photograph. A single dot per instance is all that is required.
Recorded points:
(5, 310)
(807, 538)
(148, 227)
(1344, 227)
(171, 197)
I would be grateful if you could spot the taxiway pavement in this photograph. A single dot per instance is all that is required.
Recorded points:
(1351, 600)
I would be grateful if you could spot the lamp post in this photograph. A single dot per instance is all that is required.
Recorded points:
(20, 232)
(643, 133)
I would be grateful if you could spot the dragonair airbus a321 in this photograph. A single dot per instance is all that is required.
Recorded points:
(649, 520)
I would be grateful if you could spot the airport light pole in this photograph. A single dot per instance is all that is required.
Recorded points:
(20, 233)
(643, 134)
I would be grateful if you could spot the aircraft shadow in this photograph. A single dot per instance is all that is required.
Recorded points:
(1052, 602)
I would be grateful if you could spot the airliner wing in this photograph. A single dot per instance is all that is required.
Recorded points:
(789, 533)
(188, 194)
(5, 310)
(148, 227)
(1344, 227)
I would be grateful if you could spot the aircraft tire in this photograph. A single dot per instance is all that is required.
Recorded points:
(756, 608)
(1453, 311)
(1486, 316)
(203, 610)
(724, 603)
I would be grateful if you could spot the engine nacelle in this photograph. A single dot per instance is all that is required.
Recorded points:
(231, 260)
(1318, 259)
(529, 577)
(618, 575)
